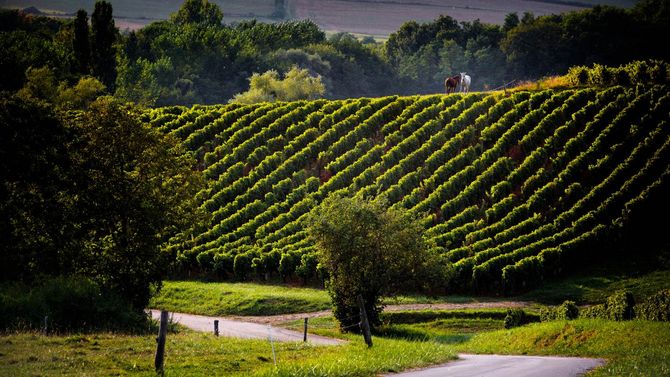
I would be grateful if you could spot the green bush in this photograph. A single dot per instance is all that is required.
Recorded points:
(566, 311)
(68, 303)
(655, 308)
(516, 318)
(595, 311)
(620, 306)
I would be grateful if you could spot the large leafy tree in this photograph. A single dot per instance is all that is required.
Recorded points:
(140, 190)
(297, 84)
(198, 12)
(367, 249)
(94, 193)
(36, 176)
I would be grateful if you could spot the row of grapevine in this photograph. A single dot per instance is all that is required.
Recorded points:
(508, 185)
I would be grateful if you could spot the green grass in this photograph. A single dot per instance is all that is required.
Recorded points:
(224, 298)
(632, 348)
(197, 354)
(595, 288)
(238, 298)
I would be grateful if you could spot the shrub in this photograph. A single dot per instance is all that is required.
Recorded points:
(242, 265)
(578, 75)
(516, 318)
(566, 311)
(595, 311)
(655, 308)
(69, 303)
(620, 306)
(369, 251)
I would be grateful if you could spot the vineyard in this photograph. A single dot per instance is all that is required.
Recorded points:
(510, 187)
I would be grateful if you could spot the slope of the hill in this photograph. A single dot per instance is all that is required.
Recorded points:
(511, 188)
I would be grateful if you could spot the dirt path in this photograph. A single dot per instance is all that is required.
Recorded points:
(241, 329)
(282, 318)
(508, 366)
(466, 366)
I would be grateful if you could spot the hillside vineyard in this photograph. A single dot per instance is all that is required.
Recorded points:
(510, 187)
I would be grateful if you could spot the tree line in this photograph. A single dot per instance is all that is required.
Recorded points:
(195, 57)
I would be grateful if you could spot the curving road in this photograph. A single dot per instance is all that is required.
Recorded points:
(467, 365)
(240, 329)
(508, 366)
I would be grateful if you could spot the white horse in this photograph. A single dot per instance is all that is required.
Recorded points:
(465, 82)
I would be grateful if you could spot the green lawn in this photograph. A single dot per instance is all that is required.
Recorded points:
(198, 354)
(224, 298)
(219, 299)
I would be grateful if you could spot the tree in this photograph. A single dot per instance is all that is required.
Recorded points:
(81, 42)
(511, 21)
(367, 249)
(34, 191)
(103, 53)
(296, 85)
(79, 96)
(139, 191)
(198, 12)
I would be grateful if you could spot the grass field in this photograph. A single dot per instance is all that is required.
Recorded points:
(196, 354)
(365, 17)
(238, 298)
(224, 298)
(631, 348)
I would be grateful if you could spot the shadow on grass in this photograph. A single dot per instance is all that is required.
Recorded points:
(421, 336)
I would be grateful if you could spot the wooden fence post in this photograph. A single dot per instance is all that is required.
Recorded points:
(160, 348)
(365, 325)
(304, 338)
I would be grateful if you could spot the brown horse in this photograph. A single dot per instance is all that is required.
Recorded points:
(451, 82)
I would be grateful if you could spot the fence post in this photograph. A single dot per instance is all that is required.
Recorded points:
(365, 325)
(274, 355)
(45, 330)
(216, 327)
(304, 338)
(160, 348)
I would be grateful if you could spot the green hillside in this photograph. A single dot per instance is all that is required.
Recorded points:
(511, 187)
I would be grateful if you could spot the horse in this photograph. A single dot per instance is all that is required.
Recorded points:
(465, 82)
(451, 82)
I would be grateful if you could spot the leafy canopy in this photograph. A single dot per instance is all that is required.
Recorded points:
(367, 249)
(267, 87)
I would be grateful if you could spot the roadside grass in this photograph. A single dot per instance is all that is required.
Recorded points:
(225, 298)
(632, 348)
(198, 354)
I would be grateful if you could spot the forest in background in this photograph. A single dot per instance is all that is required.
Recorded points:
(196, 57)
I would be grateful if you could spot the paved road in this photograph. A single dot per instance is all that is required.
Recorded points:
(508, 366)
(242, 329)
(466, 366)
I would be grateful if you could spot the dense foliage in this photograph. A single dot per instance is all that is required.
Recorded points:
(92, 194)
(367, 250)
(195, 57)
(511, 188)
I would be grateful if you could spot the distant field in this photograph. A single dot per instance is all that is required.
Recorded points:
(382, 17)
(366, 17)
